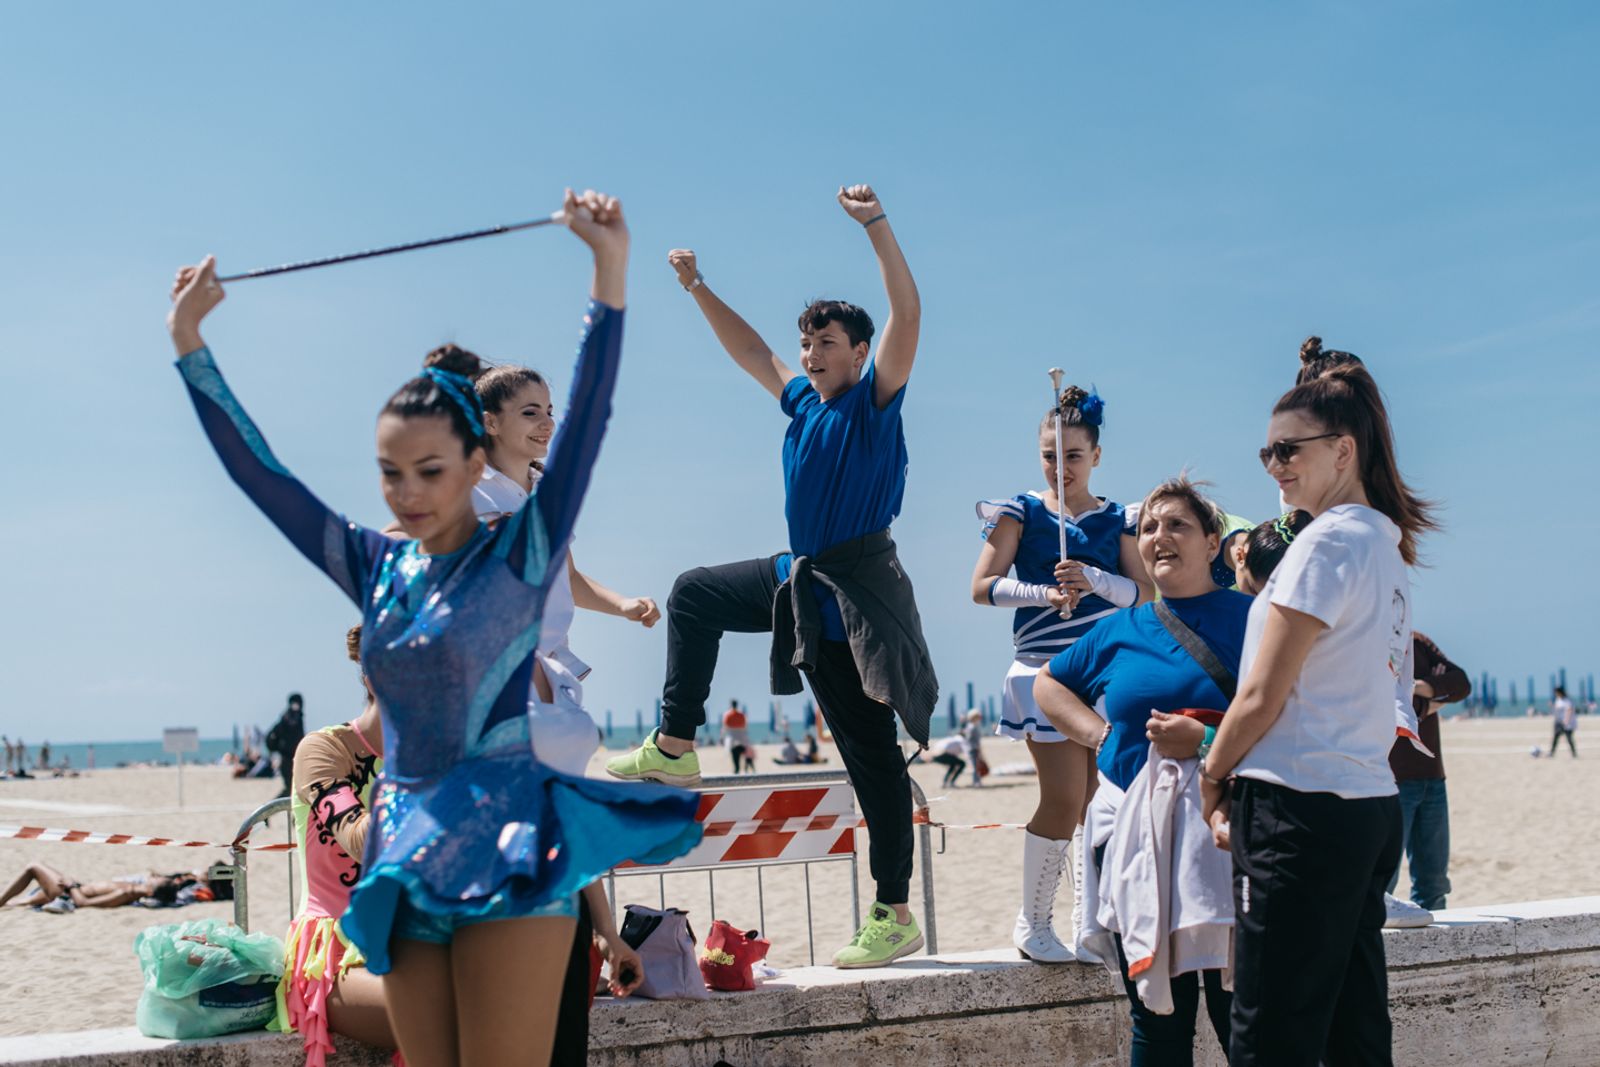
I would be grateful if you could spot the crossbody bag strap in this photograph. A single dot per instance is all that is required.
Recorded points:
(1197, 648)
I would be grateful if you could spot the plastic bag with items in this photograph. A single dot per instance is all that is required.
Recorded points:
(206, 978)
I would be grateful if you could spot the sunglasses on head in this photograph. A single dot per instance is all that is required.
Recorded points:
(1283, 451)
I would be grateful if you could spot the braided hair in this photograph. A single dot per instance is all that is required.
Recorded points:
(1078, 407)
(445, 389)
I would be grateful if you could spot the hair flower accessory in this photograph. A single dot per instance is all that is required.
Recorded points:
(1092, 408)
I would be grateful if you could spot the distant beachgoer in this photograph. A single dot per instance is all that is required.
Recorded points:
(284, 738)
(1564, 716)
(10, 753)
(736, 734)
(972, 734)
(951, 753)
(788, 753)
(1053, 603)
(60, 893)
(812, 754)
(44, 756)
(1424, 805)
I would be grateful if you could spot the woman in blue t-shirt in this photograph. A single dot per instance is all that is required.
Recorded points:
(1116, 690)
(1057, 601)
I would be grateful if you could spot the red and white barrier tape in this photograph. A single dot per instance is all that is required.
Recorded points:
(96, 837)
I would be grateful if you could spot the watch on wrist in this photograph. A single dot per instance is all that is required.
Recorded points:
(699, 280)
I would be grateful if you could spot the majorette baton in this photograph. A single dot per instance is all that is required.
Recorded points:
(95, 837)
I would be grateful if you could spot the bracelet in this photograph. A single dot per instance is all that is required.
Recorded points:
(1207, 776)
(1104, 737)
(699, 280)
(879, 217)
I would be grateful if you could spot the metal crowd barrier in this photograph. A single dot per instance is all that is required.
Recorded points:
(789, 782)
(239, 869)
(747, 787)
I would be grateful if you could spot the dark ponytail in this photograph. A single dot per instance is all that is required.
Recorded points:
(1344, 398)
(445, 389)
(1080, 408)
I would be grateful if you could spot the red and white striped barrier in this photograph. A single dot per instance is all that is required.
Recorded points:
(96, 837)
(783, 823)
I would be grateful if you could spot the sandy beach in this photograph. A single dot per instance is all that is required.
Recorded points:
(1518, 833)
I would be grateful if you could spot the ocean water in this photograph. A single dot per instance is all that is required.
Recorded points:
(625, 732)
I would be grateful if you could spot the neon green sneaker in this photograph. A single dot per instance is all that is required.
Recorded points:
(880, 941)
(649, 763)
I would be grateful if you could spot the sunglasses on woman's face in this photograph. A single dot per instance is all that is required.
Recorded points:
(1283, 451)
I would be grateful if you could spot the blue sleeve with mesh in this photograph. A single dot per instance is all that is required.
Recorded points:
(340, 549)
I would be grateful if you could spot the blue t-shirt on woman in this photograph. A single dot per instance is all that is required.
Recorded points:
(1129, 665)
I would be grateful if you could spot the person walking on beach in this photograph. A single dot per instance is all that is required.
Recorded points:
(972, 736)
(1564, 716)
(285, 737)
(468, 894)
(736, 734)
(839, 603)
(1311, 812)
(1424, 804)
(1055, 602)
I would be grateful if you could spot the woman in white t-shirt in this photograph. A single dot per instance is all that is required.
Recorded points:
(1314, 820)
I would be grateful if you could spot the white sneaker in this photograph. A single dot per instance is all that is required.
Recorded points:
(1404, 915)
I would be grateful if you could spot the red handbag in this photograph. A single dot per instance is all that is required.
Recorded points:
(728, 956)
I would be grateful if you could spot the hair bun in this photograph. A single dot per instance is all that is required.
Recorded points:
(352, 643)
(1311, 349)
(1073, 396)
(455, 359)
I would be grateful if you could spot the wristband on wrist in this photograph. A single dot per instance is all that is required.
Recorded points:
(1207, 775)
(1010, 593)
(1115, 588)
(879, 217)
(1205, 745)
(699, 280)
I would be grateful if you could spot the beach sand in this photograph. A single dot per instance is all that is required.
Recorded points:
(1519, 832)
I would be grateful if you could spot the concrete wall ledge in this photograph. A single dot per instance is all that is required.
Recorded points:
(1509, 984)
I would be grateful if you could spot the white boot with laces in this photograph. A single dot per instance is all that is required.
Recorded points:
(1082, 953)
(1043, 862)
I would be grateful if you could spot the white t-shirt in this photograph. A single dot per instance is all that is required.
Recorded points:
(1565, 712)
(1338, 723)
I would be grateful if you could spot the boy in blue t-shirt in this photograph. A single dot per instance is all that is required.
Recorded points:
(838, 603)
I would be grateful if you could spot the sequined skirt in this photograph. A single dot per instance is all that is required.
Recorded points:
(504, 835)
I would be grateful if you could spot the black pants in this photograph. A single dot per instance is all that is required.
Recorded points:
(571, 1047)
(1310, 982)
(708, 602)
(1556, 740)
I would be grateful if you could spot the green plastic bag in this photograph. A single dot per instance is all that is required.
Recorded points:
(206, 978)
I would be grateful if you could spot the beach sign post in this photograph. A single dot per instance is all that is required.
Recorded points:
(178, 740)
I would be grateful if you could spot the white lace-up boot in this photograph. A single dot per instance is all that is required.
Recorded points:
(1082, 954)
(1043, 861)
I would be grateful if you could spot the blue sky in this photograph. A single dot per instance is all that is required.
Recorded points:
(1163, 200)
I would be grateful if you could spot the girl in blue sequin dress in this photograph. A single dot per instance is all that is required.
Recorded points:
(478, 849)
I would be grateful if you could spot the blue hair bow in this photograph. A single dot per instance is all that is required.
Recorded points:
(1092, 408)
(458, 387)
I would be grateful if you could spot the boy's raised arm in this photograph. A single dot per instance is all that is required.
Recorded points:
(897, 348)
(737, 336)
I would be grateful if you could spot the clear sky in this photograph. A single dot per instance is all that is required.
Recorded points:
(1163, 199)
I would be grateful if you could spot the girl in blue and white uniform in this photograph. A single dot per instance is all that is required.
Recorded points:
(1056, 602)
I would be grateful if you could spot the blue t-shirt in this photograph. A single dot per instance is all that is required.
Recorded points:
(844, 472)
(1093, 537)
(1129, 664)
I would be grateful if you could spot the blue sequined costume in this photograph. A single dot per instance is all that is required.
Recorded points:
(468, 823)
